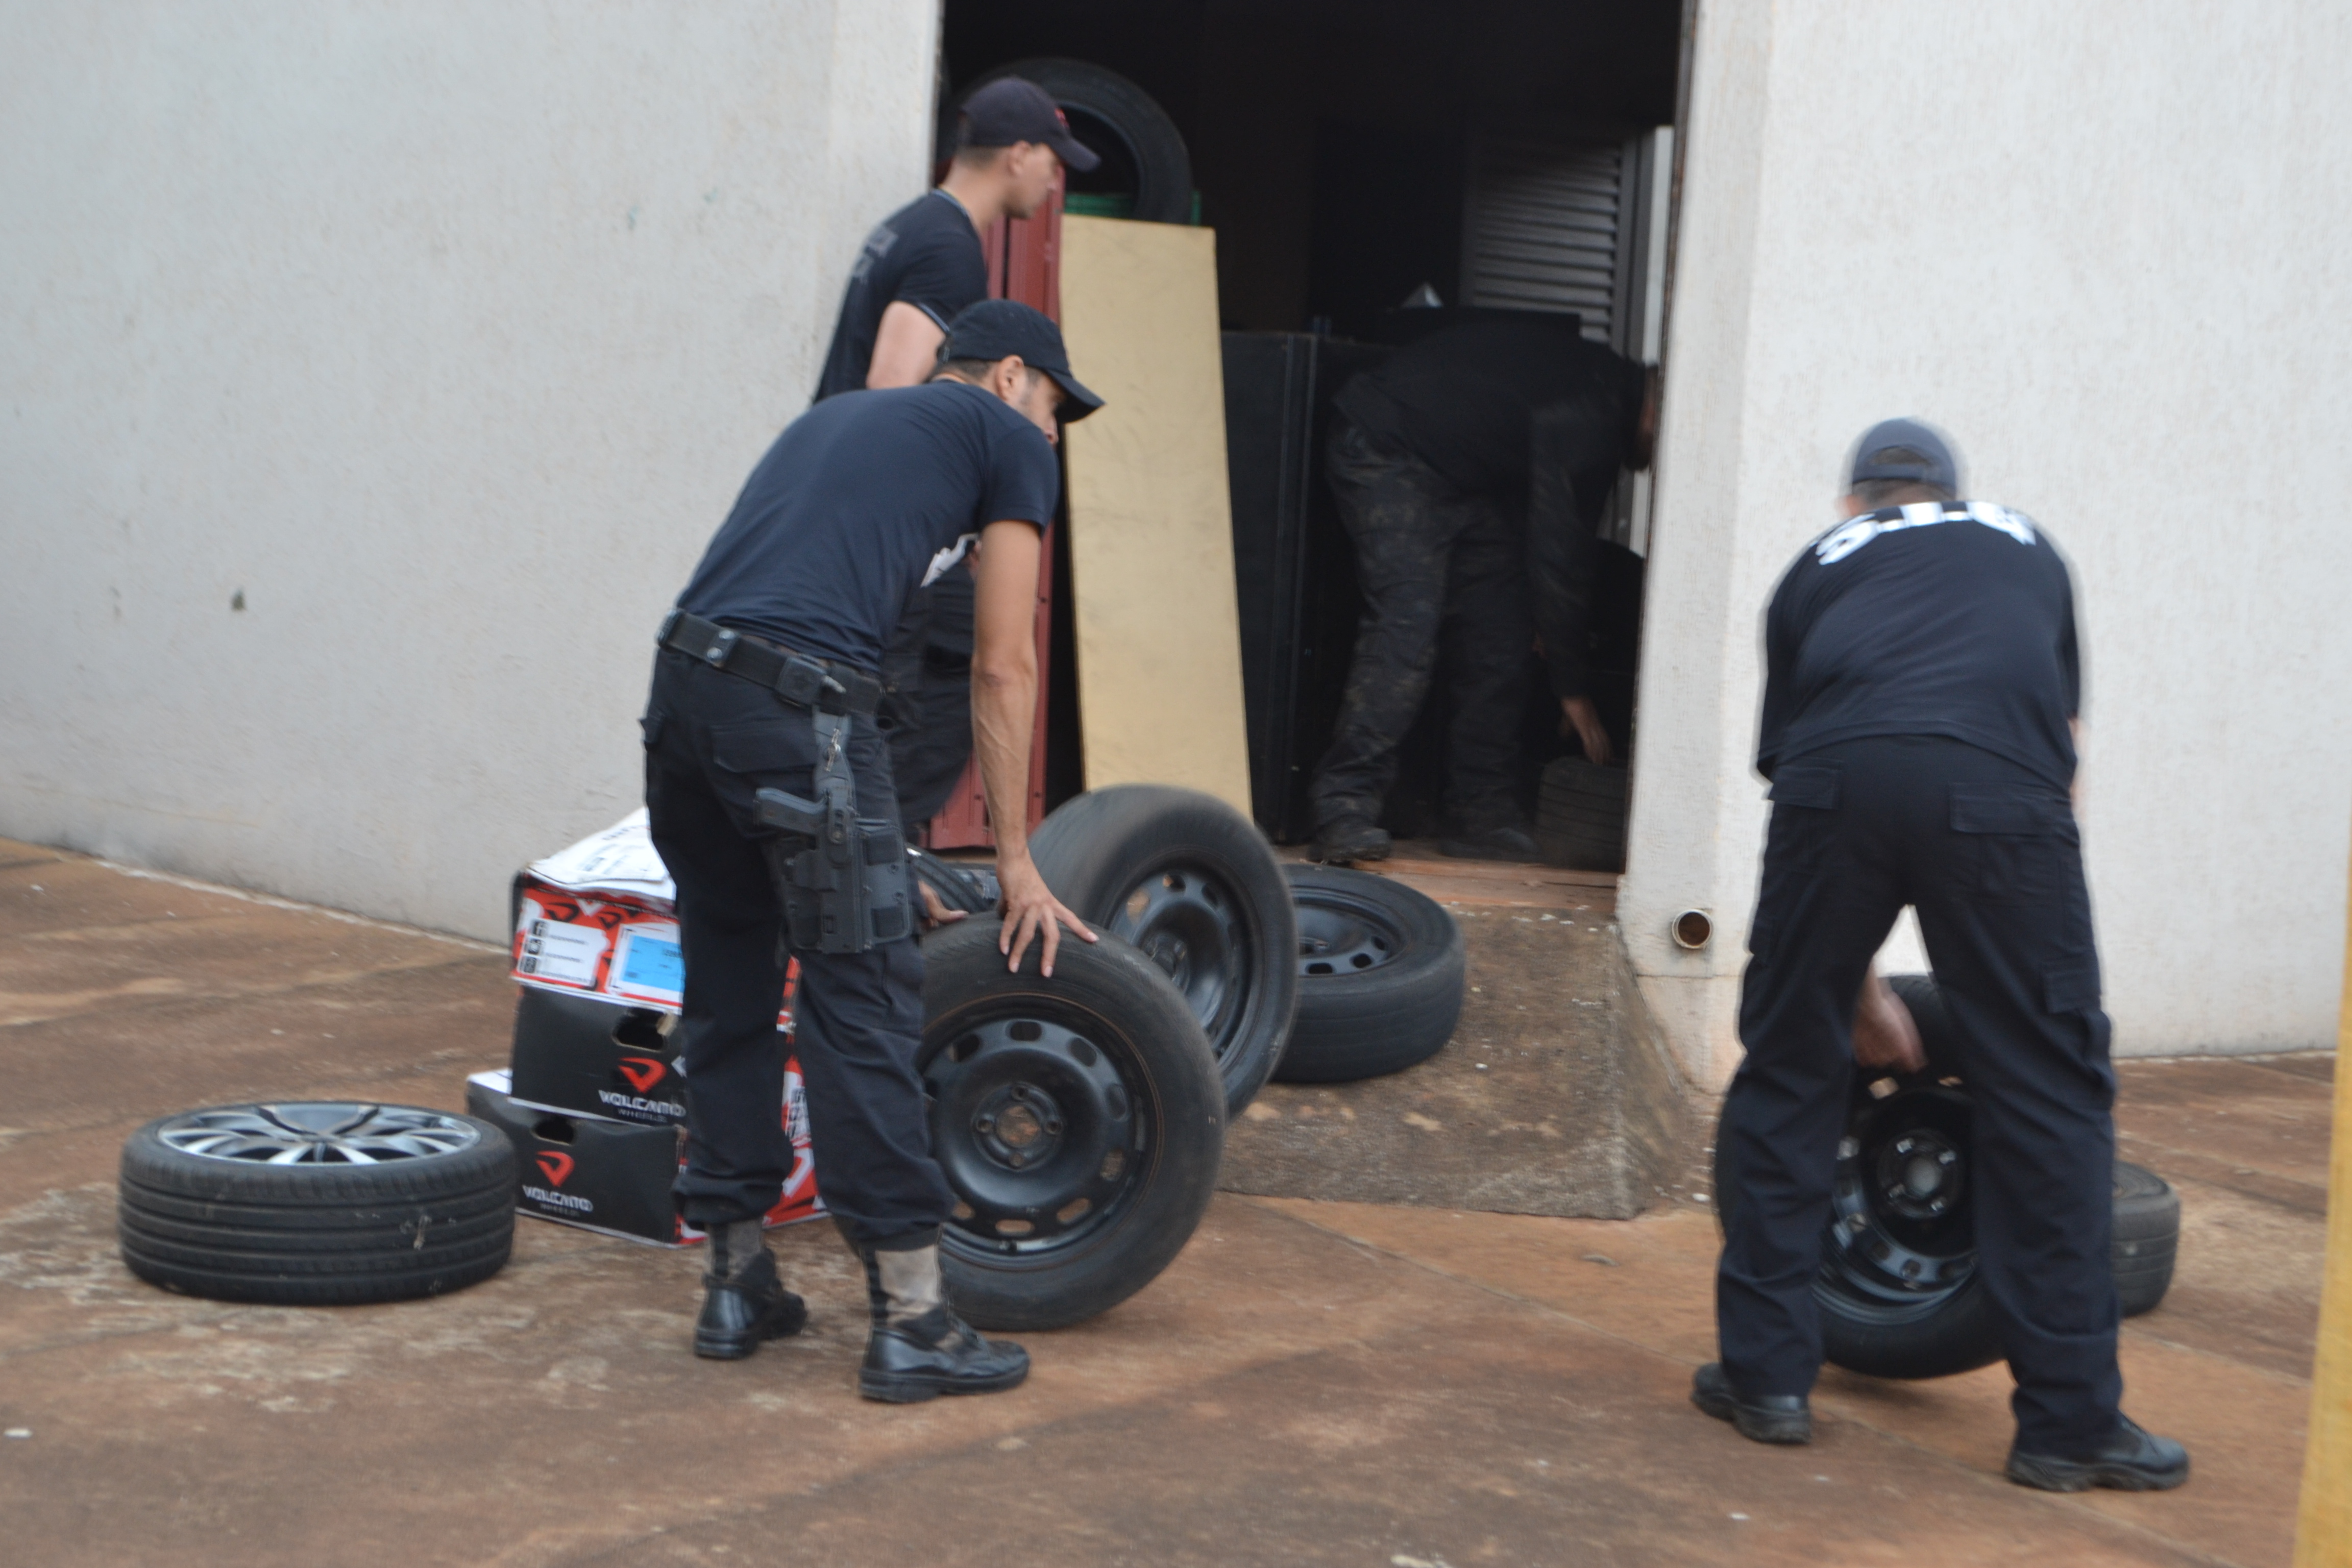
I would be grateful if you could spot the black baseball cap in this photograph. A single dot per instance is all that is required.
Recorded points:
(1010, 109)
(1908, 450)
(995, 328)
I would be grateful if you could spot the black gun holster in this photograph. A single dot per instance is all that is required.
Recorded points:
(843, 876)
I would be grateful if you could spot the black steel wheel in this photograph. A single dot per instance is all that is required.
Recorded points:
(1381, 974)
(1191, 884)
(1898, 1287)
(1078, 1119)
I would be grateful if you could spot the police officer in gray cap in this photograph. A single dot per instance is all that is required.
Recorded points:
(1921, 691)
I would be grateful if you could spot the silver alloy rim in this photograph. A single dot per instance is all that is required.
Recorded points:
(316, 1133)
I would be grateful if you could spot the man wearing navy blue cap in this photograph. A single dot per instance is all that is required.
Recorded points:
(1922, 684)
(767, 680)
(921, 267)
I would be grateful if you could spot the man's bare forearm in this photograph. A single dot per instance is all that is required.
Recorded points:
(1003, 720)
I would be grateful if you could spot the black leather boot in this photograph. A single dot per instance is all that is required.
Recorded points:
(2130, 1462)
(1761, 1418)
(1345, 840)
(919, 1349)
(743, 1302)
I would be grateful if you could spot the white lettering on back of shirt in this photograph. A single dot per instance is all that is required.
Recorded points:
(1851, 536)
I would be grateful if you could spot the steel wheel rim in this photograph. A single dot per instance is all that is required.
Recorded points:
(319, 1133)
(1339, 935)
(1902, 1236)
(1040, 1121)
(1195, 924)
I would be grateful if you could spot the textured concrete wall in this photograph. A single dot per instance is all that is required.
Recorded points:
(438, 337)
(2102, 246)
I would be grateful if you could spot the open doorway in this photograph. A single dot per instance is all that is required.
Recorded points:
(1485, 154)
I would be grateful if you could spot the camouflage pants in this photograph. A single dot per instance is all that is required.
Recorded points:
(1445, 581)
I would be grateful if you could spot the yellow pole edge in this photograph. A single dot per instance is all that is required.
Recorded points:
(2323, 1537)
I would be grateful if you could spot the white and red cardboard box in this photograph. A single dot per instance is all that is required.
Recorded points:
(599, 920)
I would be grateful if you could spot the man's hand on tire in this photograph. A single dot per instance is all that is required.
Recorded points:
(1886, 1036)
(1580, 718)
(1031, 910)
(936, 912)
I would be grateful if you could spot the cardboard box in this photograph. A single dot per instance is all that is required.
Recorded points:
(622, 947)
(594, 1057)
(614, 1176)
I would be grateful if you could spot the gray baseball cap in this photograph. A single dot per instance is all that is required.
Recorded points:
(1907, 449)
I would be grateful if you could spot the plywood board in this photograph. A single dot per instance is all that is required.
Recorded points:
(1151, 542)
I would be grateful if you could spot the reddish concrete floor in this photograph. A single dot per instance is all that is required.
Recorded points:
(1315, 1383)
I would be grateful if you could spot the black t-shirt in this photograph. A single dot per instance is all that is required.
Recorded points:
(860, 501)
(1461, 398)
(1953, 620)
(927, 253)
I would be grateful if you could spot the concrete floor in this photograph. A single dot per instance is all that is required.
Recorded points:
(1318, 1382)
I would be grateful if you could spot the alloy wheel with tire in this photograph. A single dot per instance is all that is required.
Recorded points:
(316, 1203)
(1078, 1121)
(1381, 974)
(1899, 1291)
(1193, 885)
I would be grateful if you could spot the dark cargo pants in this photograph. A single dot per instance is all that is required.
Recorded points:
(1442, 573)
(712, 740)
(1990, 857)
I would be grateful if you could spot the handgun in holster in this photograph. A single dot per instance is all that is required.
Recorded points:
(843, 876)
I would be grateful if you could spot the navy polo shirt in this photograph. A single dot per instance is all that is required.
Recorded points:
(861, 501)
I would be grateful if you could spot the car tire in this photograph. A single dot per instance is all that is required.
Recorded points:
(1581, 816)
(1193, 884)
(1899, 1295)
(310, 1203)
(1381, 968)
(2146, 1237)
(1078, 1121)
(1100, 102)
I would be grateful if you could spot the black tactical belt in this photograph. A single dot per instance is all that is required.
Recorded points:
(819, 684)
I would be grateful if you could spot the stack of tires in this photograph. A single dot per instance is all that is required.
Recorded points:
(1581, 816)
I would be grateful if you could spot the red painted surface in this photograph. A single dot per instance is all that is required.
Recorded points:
(1025, 263)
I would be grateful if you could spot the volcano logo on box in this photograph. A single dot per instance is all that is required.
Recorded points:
(555, 1165)
(643, 1072)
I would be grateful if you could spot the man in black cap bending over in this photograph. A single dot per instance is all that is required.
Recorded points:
(1922, 683)
(920, 267)
(770, 796)
(1471, 470)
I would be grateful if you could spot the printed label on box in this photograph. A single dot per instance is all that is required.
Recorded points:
(615, 946)
(650, 966)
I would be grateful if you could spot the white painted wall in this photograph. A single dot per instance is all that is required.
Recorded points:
(446, 334)
(2104, 246)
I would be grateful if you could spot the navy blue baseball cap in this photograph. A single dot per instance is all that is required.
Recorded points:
(1908, 450)
(995, 328)
(1013, 108)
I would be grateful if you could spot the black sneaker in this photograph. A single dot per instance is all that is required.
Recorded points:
(1504, 843)
(1766, 1418)
(1349, 839)
(2131, 1461)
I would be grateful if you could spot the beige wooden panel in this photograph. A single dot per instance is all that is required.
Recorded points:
(2323, 1532)
(1152, 542)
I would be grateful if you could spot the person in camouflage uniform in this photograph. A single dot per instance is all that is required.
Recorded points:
(1471, 470)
